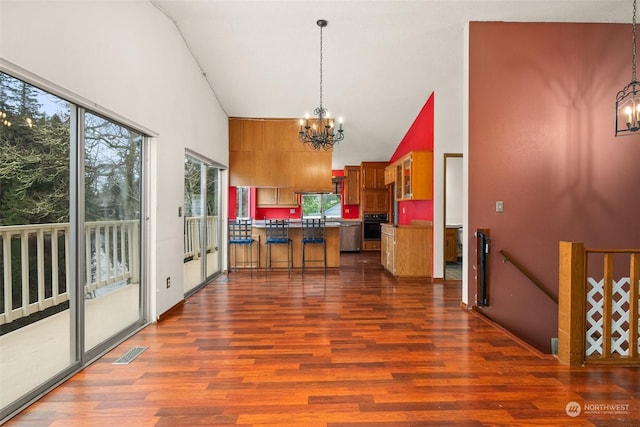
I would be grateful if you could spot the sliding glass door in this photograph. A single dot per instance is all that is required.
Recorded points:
(70, 238)
(213, 222)
(36, 287)
(202, 255)
(112, 224)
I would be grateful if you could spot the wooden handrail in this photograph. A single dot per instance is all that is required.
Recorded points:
(529, 276)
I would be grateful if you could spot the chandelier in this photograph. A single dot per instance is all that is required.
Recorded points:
(628, 99)
(321, 132)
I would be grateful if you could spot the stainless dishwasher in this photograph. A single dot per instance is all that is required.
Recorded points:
(350, 236)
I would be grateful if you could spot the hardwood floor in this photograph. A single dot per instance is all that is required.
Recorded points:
(356, 347)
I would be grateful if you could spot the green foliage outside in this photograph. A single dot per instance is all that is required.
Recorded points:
(34, 157)
(316, 205)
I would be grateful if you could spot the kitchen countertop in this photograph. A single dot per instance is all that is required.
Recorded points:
(296, 224)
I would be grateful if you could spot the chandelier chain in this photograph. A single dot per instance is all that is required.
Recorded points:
(633, 72)
(321, 66)
(321, 132)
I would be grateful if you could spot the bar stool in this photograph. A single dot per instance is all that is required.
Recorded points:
(313, 233)
(277, 231)
(240, 235)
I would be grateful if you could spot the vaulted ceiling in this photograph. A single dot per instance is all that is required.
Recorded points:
(382, 58)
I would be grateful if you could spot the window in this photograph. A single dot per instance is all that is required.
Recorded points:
(243, 210)
(319, 205)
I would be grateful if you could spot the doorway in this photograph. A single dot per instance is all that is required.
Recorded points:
(453, 249)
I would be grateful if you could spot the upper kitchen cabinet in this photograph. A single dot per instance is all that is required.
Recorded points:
(267, 153)
(270, 197)
(414, 176)
(389, 175)
(374, 201)
(372, 175)
(351, 185)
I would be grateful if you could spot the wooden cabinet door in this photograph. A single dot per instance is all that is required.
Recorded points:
(267, 196)
(372, 175)
(369, 179)
(380, 202)
(451, 245)
(374, 201)
(389, 175)
(276, 197)
(413, 251)
(352, 185)
(387, 246)
(286, 197)
(421, 175)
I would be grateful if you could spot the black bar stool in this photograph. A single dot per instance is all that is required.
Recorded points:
(313, 233)
(277, 231)
(240, 235)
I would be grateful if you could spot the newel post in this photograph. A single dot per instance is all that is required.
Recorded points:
(571, 302)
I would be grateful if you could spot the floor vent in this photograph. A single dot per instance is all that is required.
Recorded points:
(128, 357)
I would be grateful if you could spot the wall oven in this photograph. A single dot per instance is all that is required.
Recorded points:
(371, 225)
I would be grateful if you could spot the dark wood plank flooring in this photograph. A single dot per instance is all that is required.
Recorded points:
(354, 348)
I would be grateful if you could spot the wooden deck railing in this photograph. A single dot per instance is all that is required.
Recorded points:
(598, 317)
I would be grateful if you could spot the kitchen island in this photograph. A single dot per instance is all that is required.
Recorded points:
(279, 254)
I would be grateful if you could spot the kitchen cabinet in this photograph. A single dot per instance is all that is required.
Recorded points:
(374, 201)
(372, 175)
(414, 176)
(406, 251)
(389, 175)
(451, 244)
(387, 242)
(269, 197)
(373, 197)
(371, 245)
(351, 185)
(267, 153)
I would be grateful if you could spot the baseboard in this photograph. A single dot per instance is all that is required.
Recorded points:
(170, 311)
(483, 316)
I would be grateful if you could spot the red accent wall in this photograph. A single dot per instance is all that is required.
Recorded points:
(419, 137)
(348, 211)
(278, 213)
(541, 139)
(233, 202)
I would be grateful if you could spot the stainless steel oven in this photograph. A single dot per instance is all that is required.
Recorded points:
(371, 225)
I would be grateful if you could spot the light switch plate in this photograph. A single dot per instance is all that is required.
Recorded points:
(500, 206)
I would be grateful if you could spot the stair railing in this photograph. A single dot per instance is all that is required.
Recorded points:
(507, 258)
(598, 317)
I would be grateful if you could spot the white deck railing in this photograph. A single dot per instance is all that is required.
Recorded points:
(111, 252)
(112, 249)
(192, 248)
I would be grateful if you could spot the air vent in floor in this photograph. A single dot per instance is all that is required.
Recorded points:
(128, 357)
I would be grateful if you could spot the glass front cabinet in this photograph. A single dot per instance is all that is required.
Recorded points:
(414, 176)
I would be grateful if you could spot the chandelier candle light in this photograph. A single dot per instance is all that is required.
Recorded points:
(320, 134)
(628, 99)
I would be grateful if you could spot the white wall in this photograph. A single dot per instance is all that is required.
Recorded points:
(127, 57)
(453, 216)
